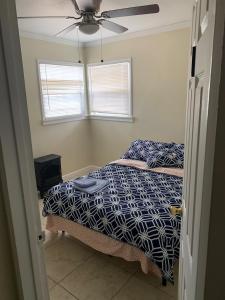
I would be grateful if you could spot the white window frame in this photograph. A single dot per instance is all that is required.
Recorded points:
(69, 118)
(112, 117)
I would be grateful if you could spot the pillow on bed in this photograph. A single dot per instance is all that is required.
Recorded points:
(172, 158)
(141, 149)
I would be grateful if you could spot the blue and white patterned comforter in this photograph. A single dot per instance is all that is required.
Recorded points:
(133, 208)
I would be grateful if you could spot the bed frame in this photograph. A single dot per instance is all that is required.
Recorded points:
(103, 243)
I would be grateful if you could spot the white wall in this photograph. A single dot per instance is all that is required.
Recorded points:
(160, 67)
(159, 63)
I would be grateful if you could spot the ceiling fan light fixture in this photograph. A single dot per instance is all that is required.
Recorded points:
(89, 28)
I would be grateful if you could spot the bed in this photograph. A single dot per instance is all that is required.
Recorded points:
(130, 218)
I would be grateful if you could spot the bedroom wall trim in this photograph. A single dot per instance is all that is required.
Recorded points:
(147, 32)
(80, 172)
(42, 37)
(127, 36)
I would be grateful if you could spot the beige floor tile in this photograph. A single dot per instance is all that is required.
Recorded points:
(129, 266)
(51, 283)
(82, 244)
(136, 289)
(59, 293)
(97, 279)
(148, 278)
(63, 257)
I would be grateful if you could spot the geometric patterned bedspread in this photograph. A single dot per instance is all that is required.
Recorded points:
(133, 208)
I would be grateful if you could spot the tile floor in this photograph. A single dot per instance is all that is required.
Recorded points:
(77, 272)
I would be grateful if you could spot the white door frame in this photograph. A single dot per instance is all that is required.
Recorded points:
(17, 170)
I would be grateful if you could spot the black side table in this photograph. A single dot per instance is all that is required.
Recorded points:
(48, 172)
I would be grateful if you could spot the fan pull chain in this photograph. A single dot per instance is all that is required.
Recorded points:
(78, 45)
(101, 50)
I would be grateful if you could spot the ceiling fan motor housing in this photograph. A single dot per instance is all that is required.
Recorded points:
(88, 25)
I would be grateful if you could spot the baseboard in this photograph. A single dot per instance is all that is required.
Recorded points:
(80, 172)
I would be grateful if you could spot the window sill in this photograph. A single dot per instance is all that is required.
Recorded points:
(52, 121)
(112, 118)
(55, 121)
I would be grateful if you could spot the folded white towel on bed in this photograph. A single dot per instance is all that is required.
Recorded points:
(84, 182)
(98, 186)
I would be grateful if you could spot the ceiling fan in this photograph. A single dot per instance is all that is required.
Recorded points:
(91, 20)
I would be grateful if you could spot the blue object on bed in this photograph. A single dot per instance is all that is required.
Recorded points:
(99, 184)
(140, 149)
(134, 208)
(146, 150)
(85, 182)
(169, 159)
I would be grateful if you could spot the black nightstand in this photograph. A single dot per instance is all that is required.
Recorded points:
(48, 172)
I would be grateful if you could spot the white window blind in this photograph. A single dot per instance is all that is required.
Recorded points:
(62, 88)
(110, 89)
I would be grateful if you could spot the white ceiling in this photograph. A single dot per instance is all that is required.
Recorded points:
(171, 12)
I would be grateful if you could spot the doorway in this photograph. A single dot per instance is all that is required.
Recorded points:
(40, 298)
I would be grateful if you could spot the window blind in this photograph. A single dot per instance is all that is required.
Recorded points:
(62, 88)
(109, 89)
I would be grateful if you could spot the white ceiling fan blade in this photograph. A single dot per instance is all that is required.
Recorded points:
(46, 17)
(131, 11)
(77, 9)
(67, 29)
(112, 26)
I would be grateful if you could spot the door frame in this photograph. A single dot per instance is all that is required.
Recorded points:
(17, 169)
(18, 172)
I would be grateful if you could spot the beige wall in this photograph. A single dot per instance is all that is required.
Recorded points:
(72, 139)
(159, 65)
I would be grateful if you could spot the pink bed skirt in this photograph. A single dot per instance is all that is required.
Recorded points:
(102, 243)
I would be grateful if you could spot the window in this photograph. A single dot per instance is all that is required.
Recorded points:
(110, 90)
(62, 89)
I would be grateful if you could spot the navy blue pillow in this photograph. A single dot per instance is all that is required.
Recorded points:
(141, 149)
(173, 157)
(162, 159)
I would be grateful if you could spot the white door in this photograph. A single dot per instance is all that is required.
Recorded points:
(191, 284)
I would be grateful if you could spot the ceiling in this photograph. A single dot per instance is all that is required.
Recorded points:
(171, 12)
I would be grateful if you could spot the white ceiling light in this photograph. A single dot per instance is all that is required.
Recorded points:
(90, 28)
